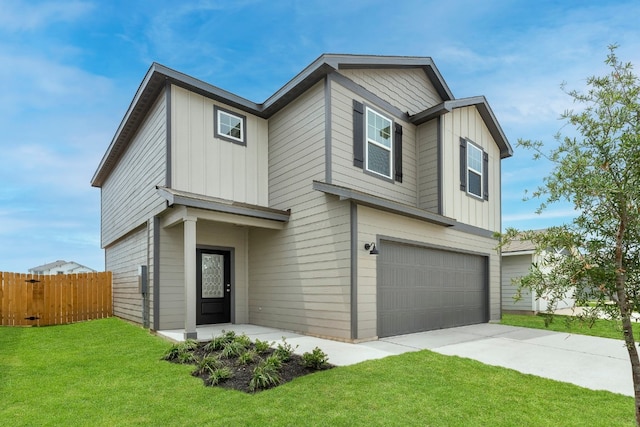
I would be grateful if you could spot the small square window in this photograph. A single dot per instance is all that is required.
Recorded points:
(230, 126)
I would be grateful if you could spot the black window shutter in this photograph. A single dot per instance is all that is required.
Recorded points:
(358, 134)
(398, 151)
(463, 164)
(485, 174)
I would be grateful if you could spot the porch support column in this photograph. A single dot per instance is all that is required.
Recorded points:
(190, 278)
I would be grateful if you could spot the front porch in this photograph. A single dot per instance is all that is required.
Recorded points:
(203, 260)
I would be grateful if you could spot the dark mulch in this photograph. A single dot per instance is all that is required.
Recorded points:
(242, 373)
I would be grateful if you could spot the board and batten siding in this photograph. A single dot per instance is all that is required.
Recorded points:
(129, 196)
(372, 224)
(122, 259)
(300, 276)
(344, 173)
(466, 122)
(427, 140)
(513, 267)
(409, 89)
(203, 164)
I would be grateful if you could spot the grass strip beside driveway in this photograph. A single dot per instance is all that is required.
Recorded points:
(601, 328)
(109, 373)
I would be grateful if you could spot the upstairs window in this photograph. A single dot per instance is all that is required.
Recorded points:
(474, 170)
(379, 144)
(230, 126)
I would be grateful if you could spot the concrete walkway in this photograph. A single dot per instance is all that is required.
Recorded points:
(591, 362)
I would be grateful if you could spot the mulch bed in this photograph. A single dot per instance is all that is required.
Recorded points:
(242, 373)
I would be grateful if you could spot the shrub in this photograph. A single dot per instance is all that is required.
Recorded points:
(233, 349)
(219, 375)
(247, 357)
(181, 351)
(265, 375)
(317, 359)
(243, 339)
(218, 343)
(207, 365)
(262, 346)
(284, 350)
(274, 361)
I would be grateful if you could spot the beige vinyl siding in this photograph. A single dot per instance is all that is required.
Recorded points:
(515, 266)
(122, 259)
(409, 89)
(427, 139)
(129, 194)
(206, 165)
(373, 223)
(343, 171)
(466, 122)
(171, 298)
(300, 276)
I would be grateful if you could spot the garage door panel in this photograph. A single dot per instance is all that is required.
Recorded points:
(422, 289)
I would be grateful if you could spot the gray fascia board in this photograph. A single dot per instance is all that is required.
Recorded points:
(383, 204)
(373, 61)
(480, 102)
(430, 113)
(322, 66)
(207, 90)
(134, 102)
(231, 208)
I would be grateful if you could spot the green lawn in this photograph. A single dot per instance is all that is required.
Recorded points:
(109, 373)
(601, 328)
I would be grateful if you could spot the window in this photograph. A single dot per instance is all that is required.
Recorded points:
(474, 170)
(230, 126)
(474, 167)
(379, 144)
(373, 143)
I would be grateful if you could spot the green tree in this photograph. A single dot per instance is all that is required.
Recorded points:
(598, 171)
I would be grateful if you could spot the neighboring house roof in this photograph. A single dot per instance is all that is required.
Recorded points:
(520, 246)
(158, 76)
(58, 263)
(49, 266)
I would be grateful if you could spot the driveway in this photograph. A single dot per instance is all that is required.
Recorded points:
(591, 362)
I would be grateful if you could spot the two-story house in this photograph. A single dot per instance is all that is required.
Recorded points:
(357, 202)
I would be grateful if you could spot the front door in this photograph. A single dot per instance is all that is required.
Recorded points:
(213, 282)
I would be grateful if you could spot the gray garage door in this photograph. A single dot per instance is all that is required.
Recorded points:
(421, 289)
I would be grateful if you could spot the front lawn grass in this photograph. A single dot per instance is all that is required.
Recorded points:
(601, 328)
(109, 373)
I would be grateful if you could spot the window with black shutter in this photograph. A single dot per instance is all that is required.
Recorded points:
(377, 143)
(474, 170)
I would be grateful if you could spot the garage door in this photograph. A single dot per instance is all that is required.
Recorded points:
(421, 289)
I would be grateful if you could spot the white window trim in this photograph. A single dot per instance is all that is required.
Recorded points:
(371, 141)
(480, 172)
(219, 134)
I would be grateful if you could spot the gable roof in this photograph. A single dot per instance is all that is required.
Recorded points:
(480, 102)
(158, 76)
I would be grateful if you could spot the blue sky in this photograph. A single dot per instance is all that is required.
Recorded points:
(70, 69)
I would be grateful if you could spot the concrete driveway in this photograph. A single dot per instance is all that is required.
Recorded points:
(591, 362)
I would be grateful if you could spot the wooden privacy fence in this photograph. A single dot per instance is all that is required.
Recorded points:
(41, 300)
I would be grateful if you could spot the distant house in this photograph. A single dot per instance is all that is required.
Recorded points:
(517, 259)
(359, 201)
(61, 267)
